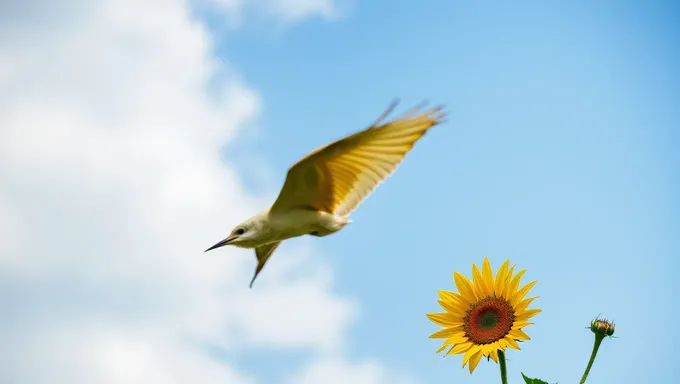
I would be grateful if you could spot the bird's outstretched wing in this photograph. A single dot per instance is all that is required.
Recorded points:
(262, 253)
(337, 177)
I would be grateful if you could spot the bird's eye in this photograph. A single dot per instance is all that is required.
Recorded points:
(239, 231)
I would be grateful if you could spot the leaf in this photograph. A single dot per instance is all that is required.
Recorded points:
(533, 381)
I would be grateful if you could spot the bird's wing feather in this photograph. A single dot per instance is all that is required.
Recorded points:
(337, 177)
(263, 253)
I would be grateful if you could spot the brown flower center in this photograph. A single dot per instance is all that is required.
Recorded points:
(488, 320)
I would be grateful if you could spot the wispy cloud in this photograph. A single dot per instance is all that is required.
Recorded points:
(282, 11)
(331, 370)
(296, 10)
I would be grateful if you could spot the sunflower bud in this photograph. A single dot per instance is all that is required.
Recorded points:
(602, 327)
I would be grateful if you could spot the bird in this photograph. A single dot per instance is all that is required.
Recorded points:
(324, 187)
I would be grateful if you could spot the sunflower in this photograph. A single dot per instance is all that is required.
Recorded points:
(487, 315)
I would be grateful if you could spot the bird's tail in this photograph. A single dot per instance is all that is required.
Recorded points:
(341, 221)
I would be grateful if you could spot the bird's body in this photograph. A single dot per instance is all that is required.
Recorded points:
(278, 226)
(324, 187)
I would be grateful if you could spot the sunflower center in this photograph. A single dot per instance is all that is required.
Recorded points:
(489, 320)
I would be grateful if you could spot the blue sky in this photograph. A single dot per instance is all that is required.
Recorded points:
(558, 154)
(133, 135)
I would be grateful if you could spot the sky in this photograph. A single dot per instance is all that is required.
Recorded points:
(134, 135)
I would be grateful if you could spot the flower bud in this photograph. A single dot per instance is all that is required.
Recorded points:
(602, 327)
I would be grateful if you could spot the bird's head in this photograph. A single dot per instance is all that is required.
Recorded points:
(244, 235)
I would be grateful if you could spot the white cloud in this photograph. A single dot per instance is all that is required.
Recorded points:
(296, 10)
(110, 356)
(286, 11)
(111, 121)
(332, 370)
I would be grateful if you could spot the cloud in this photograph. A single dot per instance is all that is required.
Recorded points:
(296, 10)
(112, 116)
(333, 370)
(109, 356)
(285, 11)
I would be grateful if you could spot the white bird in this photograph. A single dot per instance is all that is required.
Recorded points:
(324, 187)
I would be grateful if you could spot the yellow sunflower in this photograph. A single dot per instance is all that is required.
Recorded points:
(487, 315)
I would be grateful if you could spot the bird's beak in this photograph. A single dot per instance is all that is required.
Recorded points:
(222, 243)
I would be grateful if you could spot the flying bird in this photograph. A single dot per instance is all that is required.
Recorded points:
(324, 187)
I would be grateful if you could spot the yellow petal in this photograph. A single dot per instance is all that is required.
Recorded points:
(459, 348)
(474, 360)
(521, 293)
(443, 347)
(522, 305)
(447, 332)
(447, 295)
(499, 284)
(453, 298)
(464, 286)
(508, 280)
(476, 349)
(453, 310)
(518, 334)
(511, 342)
(494, 355)
(502, 344)
(487, 275)
(479, 287)
(486, 349)
(521, 324)
(514, 283)
(526, 315)
(444, 319)
(456, 339)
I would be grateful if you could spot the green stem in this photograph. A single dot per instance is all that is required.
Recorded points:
(596, 346)
(501, 362)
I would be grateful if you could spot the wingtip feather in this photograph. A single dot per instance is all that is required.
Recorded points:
(389, 110)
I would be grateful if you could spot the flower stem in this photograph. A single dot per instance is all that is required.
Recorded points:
(596, 346)
(501, 362)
